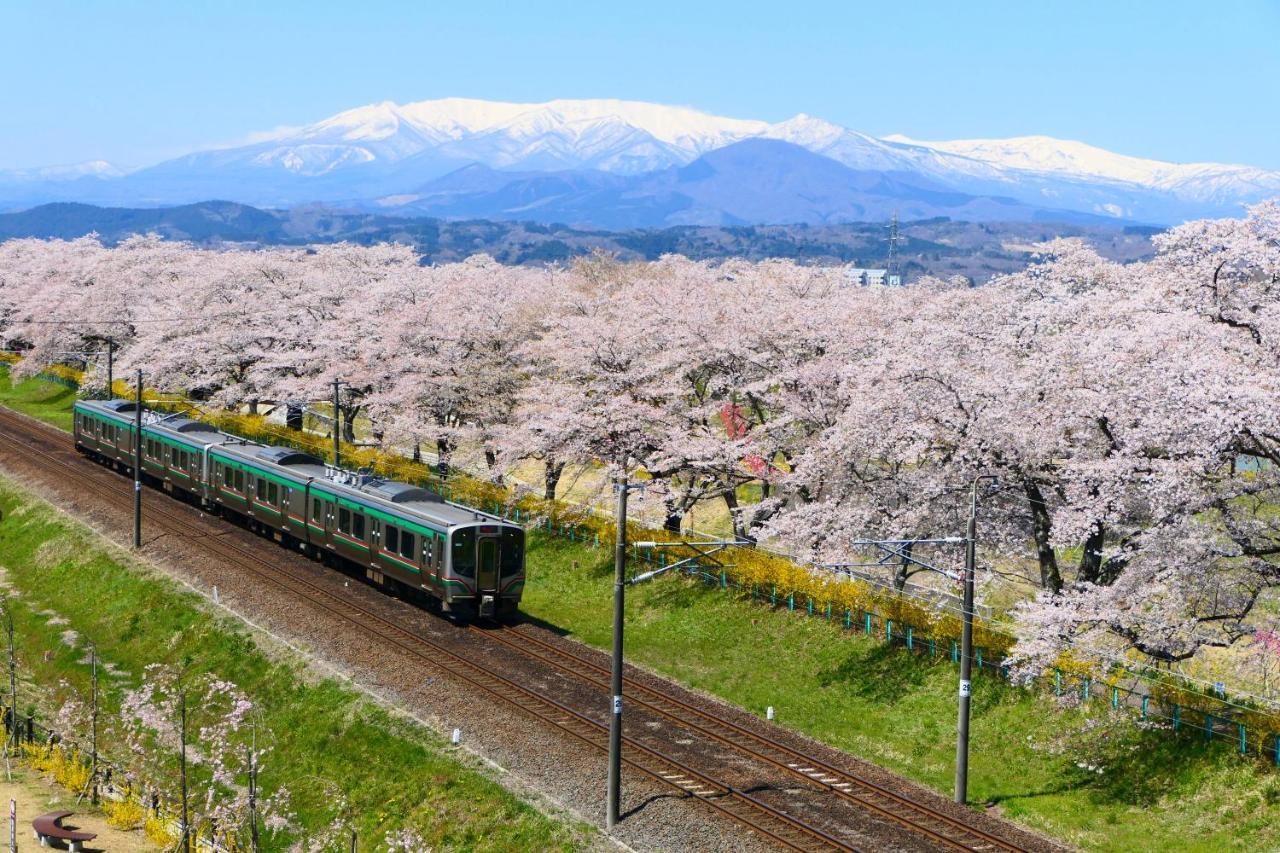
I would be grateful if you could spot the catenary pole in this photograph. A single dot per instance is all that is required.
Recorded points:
(966, 646)
(619, 600)
(337, 417)
(111, 351)
(137, 467)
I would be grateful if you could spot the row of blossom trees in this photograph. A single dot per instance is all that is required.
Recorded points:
(1113, 400)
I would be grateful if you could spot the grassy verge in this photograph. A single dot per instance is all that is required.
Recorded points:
(1153, 791)
(898, 710)
(395, 773)
(44, 401)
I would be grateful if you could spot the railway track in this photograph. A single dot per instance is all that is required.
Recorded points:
(864, 793)
(769, 822)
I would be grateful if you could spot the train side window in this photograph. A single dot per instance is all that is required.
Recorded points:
(239, 481)
(344, 520)
(273, 494)
(428, 549)
(406, 545)
(315, 509)
(357, 526)
(391, 539)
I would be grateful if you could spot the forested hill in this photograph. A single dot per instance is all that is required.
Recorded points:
(937, 246)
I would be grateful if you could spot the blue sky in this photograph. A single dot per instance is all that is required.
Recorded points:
(135, 82)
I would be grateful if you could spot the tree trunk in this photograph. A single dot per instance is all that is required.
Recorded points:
(739, 529)
(1042, 526)
(491, 459)
(904, 568)
(675, 517)
(349, 423)
(417, 451)
(293, 417)
(253, 406)
(1091, 558)
(551, 479)
(443, 448)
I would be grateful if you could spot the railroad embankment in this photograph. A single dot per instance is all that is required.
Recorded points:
(68, 587)
(1079, 774)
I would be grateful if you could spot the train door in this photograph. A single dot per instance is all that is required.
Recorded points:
(375, 540)
(487, 564)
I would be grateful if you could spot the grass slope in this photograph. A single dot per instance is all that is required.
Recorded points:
(395, 773)
(898, 710)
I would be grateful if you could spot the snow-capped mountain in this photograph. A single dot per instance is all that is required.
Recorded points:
(382, 154)
(1210, 183)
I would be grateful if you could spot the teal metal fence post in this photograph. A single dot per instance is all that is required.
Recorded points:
(1244, 740)
(955, 654)
(933, 647)
(888, 630)
(848, 618)
(1277, 750)
(979, 656)
(1177, 717)
(828, 611)
(867, 620)
(1208, 727)
(1115, 697)
(1084, 688)
(909, 639)
(1057, 682)
(1145, 700)
(773, 595)
(791, 601)
(810, 606)
(724, 581)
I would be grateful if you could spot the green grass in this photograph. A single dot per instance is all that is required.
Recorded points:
(44, 401)
(899, 710)
(395, 772)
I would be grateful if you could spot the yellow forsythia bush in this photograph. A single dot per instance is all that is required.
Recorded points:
(67, 766)
(124, 814)
(160, 832)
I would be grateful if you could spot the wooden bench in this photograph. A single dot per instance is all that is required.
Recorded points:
(48, 826)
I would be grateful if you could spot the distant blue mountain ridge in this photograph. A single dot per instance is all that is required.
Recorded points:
(622, 164)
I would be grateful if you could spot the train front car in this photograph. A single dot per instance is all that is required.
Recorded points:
(486, 569)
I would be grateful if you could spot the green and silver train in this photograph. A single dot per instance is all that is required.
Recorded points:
(463, 561)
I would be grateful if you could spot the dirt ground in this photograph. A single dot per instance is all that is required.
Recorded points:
(35, 796)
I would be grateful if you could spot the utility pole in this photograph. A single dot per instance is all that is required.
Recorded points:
(111, 351)
(186, 827)
(619, 600)
(137, 468)
(337, 423)
(966, 646)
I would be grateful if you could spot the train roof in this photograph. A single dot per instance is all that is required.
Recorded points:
(390, 495)
(114, 406)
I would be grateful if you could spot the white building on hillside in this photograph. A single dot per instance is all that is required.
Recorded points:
(864, 277)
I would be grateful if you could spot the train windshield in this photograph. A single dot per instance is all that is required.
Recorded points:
(512, 551)
(463, 552)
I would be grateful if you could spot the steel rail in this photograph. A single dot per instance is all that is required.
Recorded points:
(739, 805)
(793, 761)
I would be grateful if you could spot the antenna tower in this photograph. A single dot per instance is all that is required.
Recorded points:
(892, 275)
